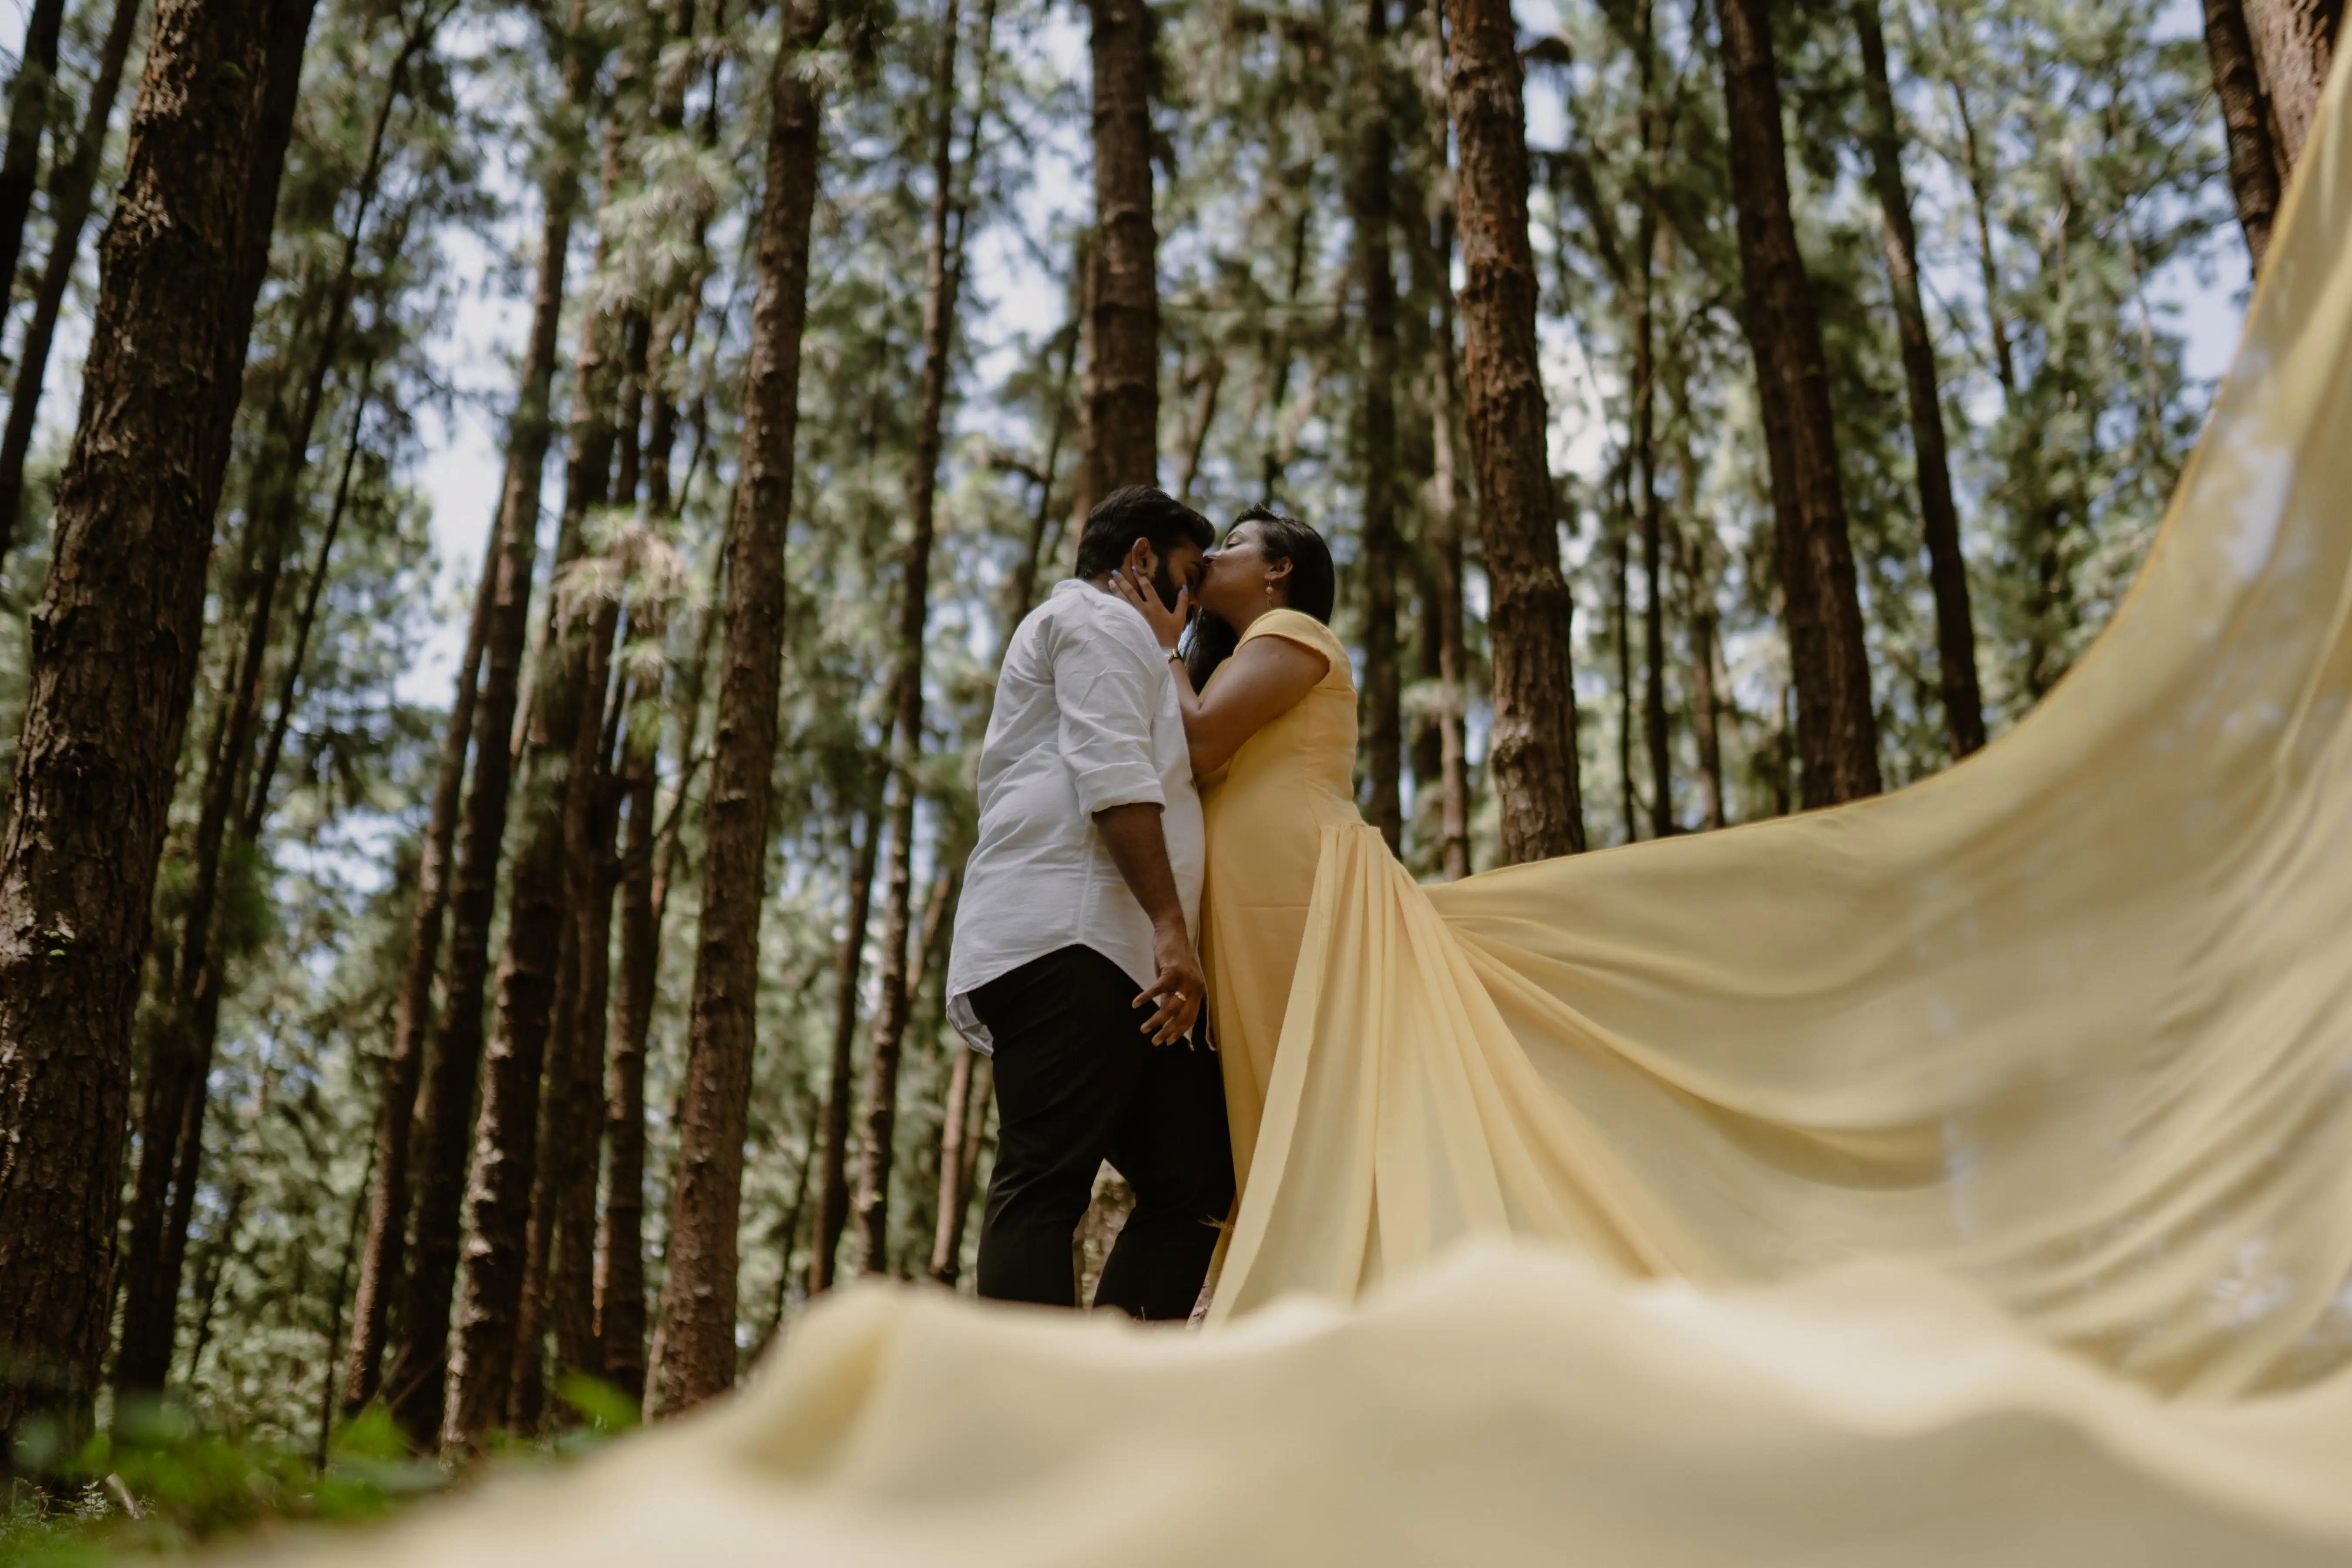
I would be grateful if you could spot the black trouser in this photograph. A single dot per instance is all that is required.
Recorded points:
(1077, 1083)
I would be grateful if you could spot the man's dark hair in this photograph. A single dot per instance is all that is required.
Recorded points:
(1138, 511)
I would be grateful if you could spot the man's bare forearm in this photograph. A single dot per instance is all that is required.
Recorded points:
(1141, 850)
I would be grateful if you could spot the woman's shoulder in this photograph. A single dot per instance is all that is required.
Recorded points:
(1297, 625)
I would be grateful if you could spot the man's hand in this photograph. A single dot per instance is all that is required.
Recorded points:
(1178, 989)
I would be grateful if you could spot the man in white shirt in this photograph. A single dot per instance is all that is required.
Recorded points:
(1074, 961)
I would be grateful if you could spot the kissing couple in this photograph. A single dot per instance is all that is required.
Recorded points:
(1152, 817)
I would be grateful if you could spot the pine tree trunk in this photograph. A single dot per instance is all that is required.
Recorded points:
(943, 282)
(71, 186)
(28, 114)
(694, 1349)
(1621, 604)
(832, 1195)
(415, 1387)
(381, 1259)
(2294, 43)
(1446, 549)
(164, 1196)
(2257, 173)
(1532, 754)
(1372, 212)
(1645, 279)
(1837, 730)
(1956, 635)
(114, 648)
(510, 1193)
(620, 1252)
(1122, 430)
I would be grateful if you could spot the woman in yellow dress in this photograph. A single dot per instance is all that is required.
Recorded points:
(1269, 703)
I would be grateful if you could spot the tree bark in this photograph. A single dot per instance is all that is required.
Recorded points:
(28, 114)
(2294, 43)
(832, 1197)
(1532, 752)
(113, 656)
(381, 1259)
(694, 1349)
(164, 1196)
(1445, 538)
(1645, 277)
(415, 1387)
(1372, 206)
(71, 186)
(1837, 730)
(1122, 430)
(619, 1253)
(1956, 636)
(943, 278)
(2257, 173)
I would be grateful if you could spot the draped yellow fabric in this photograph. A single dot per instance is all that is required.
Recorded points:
(1960, 1177)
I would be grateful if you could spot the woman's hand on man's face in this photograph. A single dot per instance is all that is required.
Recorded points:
(1167, 625)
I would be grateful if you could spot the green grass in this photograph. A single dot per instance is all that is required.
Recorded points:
(155, 1486)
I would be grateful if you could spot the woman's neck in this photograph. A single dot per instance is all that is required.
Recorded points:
(1242, 625)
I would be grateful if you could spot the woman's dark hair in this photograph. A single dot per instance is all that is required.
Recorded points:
(1138, 511)
(1313, 586)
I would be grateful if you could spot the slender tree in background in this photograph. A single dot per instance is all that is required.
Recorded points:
(1947, 571)
(72, 182)
(415, 1387)
(833, 1189)
(114, 654)
(1643, 274)
(29, 91)
(2294, 44)
(507, 1205)
(694, 1346)
(171, 1111)
(1372, 212)
(1837, 730)
(942, 285)
(1441, 527)
(1531, 754)
(387, 1214)
(1122, 423)
(2257, 173)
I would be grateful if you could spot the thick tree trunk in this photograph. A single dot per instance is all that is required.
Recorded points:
(2294, 43)
(2257, 172)
(1955, 633)
(114, 646)
(381, 1259)
(1837, 730)
(71, 186)
(832, 1192)
(28, 114)
(415, 1387)
(1532, 753)
(1122, 430)
(942, 284)
(1371, 207)
(157, 1234)
(694, 1349)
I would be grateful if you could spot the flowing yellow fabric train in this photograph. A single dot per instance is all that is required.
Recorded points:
(1989, 1148)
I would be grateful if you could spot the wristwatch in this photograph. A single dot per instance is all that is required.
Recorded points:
(1176, 653)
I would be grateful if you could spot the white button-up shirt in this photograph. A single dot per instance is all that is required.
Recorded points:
(1085, 718)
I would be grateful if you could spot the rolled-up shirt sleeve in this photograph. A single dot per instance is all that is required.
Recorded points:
(1104, 692)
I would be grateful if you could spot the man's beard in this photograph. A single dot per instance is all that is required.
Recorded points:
(1165, 586)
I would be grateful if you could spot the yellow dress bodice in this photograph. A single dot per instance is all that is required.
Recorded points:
(1265, 810)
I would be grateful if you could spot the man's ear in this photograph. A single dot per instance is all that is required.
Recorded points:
(1142, 561)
